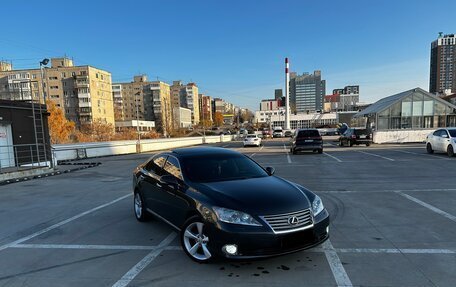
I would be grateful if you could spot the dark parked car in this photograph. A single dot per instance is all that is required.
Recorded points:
(354, 136)
(226, 205)
(306, 139)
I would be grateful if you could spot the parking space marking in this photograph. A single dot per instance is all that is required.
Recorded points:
(386, 190)
(135, 270)
(393, 250)
(23, 239)
(373, 154)
(288, 154)
(338, 270)
(83, 246)
(428, 206)
(332, 156)
(422, 154)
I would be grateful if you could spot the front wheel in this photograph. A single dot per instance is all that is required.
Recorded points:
(450, 151)
(194, 241)
(320, 150)
(351, 143)
(368, 144)
(141, 213)
(429, 148)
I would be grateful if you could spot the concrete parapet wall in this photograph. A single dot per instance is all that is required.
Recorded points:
(401, 136)
(88, 150)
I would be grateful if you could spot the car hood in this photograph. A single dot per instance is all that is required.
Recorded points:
(257, 196)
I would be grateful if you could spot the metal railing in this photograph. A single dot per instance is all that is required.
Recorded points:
(23, 157)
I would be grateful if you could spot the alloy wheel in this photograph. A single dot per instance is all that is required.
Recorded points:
(138, 205)
(450, 151)
(195, 241)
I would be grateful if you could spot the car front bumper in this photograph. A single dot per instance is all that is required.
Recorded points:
(258, 242)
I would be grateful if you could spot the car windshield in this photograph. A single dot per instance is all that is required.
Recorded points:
(452, 133)
(212, 168)
(308, 133)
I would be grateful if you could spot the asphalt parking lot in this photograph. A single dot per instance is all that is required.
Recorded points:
(393, 222)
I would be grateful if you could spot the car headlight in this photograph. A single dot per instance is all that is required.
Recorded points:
(317, 205)
(234, 216)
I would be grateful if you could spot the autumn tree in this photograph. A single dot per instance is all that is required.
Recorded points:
(218, 119)
(97, 131)
(60, 128)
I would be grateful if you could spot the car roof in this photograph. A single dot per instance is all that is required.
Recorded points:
(192, 151)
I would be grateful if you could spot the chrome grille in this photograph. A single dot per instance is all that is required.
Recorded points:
(280, 223)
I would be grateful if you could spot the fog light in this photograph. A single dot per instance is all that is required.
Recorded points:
(230, 249)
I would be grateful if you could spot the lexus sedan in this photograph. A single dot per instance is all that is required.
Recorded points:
(226, 205)
(442, 140)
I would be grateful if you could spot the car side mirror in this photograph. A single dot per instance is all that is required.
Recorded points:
(169, 180)
(270, 170)
(445, 136)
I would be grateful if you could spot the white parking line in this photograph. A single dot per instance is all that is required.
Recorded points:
(332, 156)
(135, 270)
(85, 247)
(261, 148)
(385, 190)
(393, 250)
(23, 239)
(373, 154)
(422, 154)
(252, 154)
(428, 206)
(338, 270)
(288, 154)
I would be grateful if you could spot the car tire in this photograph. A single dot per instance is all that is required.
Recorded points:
(293, 151)
(429, 148)
(194, 241)
(351, 143)
(368, 144)
(139, 208)
(320, 150)
(450, 151)
(341, 143)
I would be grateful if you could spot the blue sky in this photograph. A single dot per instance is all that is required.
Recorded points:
(235, 49)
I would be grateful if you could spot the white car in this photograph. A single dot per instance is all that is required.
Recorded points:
(442, 140)
(252, 140)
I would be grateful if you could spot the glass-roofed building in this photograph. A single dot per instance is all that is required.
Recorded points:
(413, 110)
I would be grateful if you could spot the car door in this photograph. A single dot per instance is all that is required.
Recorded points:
(434, 140)
(177, 201)
(150, 182)
(446, 140)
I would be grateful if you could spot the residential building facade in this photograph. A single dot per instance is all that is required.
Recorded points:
(205, 105)
(84, 93)
(182, 117)
(157, 106)
(443, 64)
(186, 96)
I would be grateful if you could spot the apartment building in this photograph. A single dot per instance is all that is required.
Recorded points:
(442, 78)
(205, 106)
(157, 106)
(84, 93)
(186, 96)
(129, 99)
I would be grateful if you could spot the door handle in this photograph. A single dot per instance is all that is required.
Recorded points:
(159, 185)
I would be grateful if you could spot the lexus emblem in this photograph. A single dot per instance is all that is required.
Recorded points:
(293, 220)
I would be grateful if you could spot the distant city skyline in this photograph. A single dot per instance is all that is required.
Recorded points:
(235, 49)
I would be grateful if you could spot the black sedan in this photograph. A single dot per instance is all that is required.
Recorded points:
(226, 205)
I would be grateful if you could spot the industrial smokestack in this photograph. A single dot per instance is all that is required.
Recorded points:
(287, 94)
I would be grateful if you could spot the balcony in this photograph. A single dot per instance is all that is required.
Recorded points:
(85, 104)
(81, 84)
(84, 95)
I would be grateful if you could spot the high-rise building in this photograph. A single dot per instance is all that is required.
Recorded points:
(186, 96)
(157, 105)
(307, 92)
(205, 105)
(129, 99)
(82, 92)
(343, 99)
(443, 64)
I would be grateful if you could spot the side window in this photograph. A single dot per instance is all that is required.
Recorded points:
(444, 133)
(436, 133)
(172, 167)
(155, 165)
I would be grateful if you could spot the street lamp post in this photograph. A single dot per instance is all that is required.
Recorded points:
(138, 144)
(43, 63)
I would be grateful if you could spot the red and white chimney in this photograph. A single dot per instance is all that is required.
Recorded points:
(287, 94)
